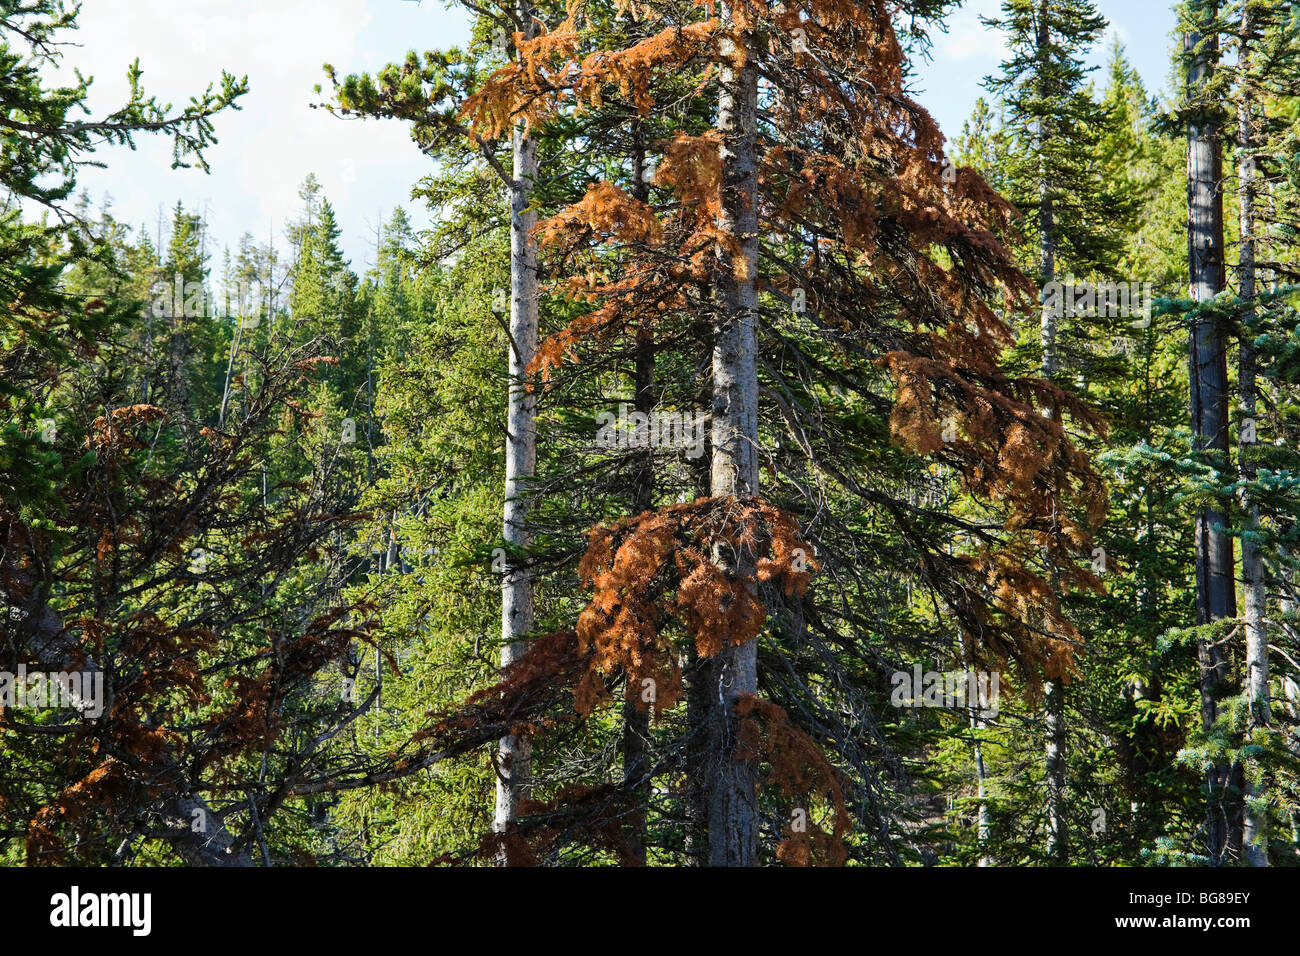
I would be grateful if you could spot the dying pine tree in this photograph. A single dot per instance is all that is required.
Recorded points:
(143, 550)
(833, 281)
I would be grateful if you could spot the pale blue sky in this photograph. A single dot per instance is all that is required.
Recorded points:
(367, 168)
(950, 83)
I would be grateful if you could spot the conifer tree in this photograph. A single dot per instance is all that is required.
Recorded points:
(1053, 175)
(1255, 685)
(1216, 587)
(1265, 74)
(699, 169)
(517, 611)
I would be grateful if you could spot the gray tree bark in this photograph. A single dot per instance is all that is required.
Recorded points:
(517, 616)
(983, 821)
(731, 780)
(1054, 763)
(1054, 767)
(1254, 834)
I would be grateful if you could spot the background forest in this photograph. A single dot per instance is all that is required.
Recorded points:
(737, 472)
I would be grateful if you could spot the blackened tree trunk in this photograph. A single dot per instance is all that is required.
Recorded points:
(1215, 590)
(637, 705)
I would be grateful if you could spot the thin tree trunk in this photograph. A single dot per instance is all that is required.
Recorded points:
(515, 752)
(1254, 834)
(1054, 766)
(696, 672)
(1215, 591)
(1046, 228)
(1290, 699)
(636, 720)
(983, 825)
(1054, 689)
(731, 780)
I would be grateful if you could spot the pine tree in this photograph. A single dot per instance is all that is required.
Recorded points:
(1052, 174)
(694, 167)
(1266, 72)
(1215, 589)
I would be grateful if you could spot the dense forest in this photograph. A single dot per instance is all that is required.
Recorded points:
(739, 471)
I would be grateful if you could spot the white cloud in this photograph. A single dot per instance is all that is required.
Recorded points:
(269, 147)
(968, 39)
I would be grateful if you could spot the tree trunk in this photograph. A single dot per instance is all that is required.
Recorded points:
(731, 778)
(1054, 696)
(696, 674)
(1054, 765)
(1254, 835)
(1215, 591)
(636, 720)
(1290, 699)
(1046, 230)
(515, 752)
(983, 824)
